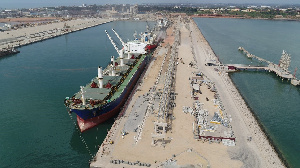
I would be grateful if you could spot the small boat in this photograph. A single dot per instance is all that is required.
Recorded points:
(8, 51)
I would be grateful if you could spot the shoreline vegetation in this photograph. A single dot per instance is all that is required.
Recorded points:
(242, 17)
(250, 13)
(127, 11)
(47, 20)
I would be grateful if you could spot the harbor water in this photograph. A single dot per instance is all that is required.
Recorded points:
(36, 129)
(274, 102)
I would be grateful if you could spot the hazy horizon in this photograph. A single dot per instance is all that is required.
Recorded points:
(11, 4)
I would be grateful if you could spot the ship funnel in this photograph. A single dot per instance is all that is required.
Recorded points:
(82, 96)
(128, 51)
(121, 57)
(128, 56)
(100, 77)
(112, 61)
(100, 72)
(113, 72)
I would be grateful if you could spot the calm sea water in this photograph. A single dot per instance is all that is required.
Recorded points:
(275, 102)
(35, 128)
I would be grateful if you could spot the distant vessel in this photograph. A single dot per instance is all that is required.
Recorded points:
(8, 51)
(162, 23)
(103, 97)
(5, 27)
(149, 38)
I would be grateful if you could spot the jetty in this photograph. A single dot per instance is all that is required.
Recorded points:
(281, 69)
(185, 114)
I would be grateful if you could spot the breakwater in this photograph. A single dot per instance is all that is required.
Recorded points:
(30, 35)
(273, 101)
(168, 139)
(255, 133)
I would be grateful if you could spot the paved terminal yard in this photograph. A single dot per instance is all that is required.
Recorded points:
(185, 114)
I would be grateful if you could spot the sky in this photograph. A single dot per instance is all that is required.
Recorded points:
(9, 4)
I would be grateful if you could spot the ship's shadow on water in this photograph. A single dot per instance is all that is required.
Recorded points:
(92, 137)
(276, 78)
(266, 79)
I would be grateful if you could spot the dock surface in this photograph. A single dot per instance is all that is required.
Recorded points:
(145, 137)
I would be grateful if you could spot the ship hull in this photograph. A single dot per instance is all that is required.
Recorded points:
(87, 119)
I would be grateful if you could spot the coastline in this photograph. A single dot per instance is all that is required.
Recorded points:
(242, 17)
(271, 142)
(30, 35)
(258, 129)
(28, 20)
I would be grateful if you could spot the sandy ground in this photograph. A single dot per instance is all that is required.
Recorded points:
(28, 35)
(180, 144)
(255, 153)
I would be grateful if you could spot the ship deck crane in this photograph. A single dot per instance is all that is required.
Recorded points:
(123, 44)
(113, 43)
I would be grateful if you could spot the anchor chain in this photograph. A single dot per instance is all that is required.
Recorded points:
(80, 135)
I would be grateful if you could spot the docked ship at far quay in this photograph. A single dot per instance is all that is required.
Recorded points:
(104, 96)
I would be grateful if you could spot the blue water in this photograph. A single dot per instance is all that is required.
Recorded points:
(275, 102)
(35, 128)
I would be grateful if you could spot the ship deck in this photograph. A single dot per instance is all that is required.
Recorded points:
(127, 80)
(101, 93)
(98, 93)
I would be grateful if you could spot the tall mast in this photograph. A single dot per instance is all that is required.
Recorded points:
(100, 77)
(285, 61)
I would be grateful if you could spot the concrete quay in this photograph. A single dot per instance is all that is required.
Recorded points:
(29, 35)
(141, 137)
